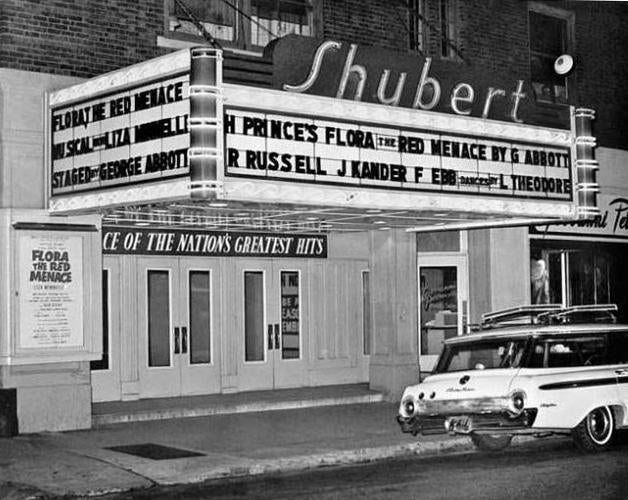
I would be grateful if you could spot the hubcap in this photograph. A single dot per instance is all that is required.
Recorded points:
(599, 425)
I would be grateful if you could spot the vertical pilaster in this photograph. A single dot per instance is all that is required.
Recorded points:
(394, 307)
(510, 269)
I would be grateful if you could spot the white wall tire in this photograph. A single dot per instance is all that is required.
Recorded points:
(595, 432)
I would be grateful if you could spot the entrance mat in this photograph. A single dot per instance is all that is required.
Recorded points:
(155, 451)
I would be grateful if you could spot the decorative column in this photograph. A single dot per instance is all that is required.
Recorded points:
(394, 355)
(587, 187)
(205, 121)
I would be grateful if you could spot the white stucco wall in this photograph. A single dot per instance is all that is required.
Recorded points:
(22, 128)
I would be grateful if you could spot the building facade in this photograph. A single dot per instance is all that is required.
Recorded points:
(379, 175)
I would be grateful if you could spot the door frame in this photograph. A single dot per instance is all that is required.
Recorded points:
(156, 381)
(252, 375)
(105, 383)
(272, 372)
(290, 372)
(427, 362)
(193, 375)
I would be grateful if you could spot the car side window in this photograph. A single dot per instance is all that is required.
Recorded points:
(569, 352)
(618, 348)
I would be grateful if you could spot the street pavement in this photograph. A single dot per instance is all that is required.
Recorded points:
(82, 463)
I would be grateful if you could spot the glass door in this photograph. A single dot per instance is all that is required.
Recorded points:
(176, 327)
(271, 324)
(443, 304)
(199, 326)
(289, 359)
(159, 372)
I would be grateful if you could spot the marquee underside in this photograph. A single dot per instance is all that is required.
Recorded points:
(293, 218)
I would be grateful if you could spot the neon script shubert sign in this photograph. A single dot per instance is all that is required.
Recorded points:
(428, 94)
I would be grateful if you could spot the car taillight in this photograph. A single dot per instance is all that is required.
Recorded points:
(516, 402)
(408, 407)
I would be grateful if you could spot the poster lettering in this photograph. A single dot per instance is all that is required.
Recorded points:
(51, 291)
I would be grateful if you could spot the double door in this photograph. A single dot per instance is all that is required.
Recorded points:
(178, 323)
(268, 306)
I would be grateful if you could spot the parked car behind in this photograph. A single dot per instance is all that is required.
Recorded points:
(536, 370)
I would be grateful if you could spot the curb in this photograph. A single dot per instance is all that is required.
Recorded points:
(329, 459)
(252, 468)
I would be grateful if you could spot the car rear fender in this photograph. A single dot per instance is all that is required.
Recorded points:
(564, 397)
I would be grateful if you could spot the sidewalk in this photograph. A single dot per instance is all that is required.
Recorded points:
(82, 463)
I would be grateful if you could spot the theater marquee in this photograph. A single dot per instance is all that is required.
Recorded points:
(303, 149)
(137, 135)
(158, 133)
(140, 134)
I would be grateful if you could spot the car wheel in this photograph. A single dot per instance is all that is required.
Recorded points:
(490, 442)
(596, 430)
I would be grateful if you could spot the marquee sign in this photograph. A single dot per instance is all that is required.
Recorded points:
(372, 74)
(148, 241)
(157, 132)
(135, 135)
(142, 133)
(611, 223)
(294, 148)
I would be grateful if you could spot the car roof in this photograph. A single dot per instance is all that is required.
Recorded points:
(519, 331)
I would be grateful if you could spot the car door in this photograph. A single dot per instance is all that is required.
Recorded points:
(618, 344)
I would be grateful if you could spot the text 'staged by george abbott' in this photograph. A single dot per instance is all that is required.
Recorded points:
(124, 138)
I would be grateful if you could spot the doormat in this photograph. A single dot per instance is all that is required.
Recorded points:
(155, 451)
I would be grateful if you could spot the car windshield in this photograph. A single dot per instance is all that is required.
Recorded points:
(482, 355)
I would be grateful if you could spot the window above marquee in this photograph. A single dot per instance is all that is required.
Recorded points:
(551, 35)
(433, 28)
(239, 24)
(416, 24)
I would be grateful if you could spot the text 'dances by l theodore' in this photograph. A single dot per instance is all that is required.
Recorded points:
(292, 148)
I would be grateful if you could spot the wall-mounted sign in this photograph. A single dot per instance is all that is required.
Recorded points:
(304, 149)
(143, 133)
(290, 315)
(136, 135)
(50, 293)
(611, 223)
(145, 241)
(372, 74)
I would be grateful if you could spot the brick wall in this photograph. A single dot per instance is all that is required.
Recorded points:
(79, 38)
(382, 23)
(92, 37)
(601, 68)
(494, 34)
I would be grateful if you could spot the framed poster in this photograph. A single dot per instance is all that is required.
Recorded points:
(50, 291)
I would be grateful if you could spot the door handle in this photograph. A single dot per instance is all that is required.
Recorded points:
(184, 339)
(276, 335)
(270, 337)
(177, 340)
